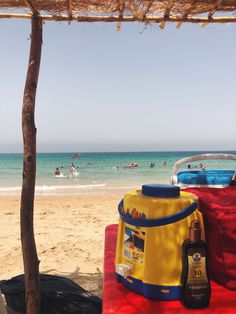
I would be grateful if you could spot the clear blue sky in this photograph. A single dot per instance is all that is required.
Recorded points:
(139, 89)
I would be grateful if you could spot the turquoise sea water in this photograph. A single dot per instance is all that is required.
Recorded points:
(98, 172)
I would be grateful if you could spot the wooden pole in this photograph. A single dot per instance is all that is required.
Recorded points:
(30, 258)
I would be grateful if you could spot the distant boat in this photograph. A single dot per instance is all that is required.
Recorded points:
(76, 156)
(131, 165)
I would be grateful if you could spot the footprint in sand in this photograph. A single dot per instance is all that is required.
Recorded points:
(9, 213)
(87, 206)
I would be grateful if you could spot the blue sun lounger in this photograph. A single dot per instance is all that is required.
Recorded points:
(202, 177)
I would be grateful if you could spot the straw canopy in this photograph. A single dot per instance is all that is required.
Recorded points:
(208, 11)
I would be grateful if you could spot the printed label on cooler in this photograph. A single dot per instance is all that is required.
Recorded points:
(134, 240)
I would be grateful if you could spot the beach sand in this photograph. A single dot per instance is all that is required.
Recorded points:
(69, 234)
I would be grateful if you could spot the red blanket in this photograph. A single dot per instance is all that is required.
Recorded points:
(118, 299)
(219, 211)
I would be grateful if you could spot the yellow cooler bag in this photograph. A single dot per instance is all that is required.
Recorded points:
(154, 222)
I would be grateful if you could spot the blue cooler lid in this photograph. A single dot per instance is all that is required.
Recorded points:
(161, 190)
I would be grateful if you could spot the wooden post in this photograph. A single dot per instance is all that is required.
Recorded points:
(30, 258)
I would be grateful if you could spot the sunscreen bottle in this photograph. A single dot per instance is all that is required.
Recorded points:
(195, 284)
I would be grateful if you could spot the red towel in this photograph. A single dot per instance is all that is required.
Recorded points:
(118, 299)
(219, 212)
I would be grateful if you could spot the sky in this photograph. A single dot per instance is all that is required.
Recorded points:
(140, 89)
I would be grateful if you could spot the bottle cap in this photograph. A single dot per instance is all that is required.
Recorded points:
(195, 231)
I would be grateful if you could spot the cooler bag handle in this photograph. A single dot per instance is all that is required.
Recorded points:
(156, 222)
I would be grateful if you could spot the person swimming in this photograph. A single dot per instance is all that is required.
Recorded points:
(57, 172)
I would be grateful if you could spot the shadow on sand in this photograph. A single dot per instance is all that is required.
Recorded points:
(90, 282)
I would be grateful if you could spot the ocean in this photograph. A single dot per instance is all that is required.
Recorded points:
(99, 173)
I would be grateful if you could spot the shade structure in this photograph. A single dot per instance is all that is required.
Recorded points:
(209, 11)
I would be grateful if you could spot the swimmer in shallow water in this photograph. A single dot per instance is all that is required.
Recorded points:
(57, 172)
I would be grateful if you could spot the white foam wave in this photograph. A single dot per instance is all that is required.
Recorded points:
(63, 187)
(10, 188)
(53, 187)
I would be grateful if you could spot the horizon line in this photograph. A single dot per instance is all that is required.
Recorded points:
(134, 151)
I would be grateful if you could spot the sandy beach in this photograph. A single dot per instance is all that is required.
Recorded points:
(69, 233)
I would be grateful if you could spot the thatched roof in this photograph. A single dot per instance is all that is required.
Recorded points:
(208, 11)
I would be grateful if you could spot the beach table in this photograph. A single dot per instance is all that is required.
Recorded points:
(118, 299)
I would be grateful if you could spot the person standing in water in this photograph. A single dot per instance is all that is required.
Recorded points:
(57, 172)
(73, 170)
